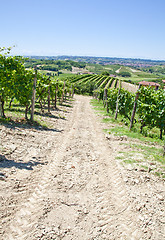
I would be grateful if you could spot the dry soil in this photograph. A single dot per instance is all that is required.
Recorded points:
(66, 183)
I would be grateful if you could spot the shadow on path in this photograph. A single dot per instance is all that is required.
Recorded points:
(5, 163)
(23, 124)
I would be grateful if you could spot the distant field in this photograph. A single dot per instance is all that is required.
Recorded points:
(65, 68)
(138, 79)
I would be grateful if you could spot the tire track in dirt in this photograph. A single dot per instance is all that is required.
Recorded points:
(87, 165)
(19, 186)
(80, 194)
(122, 208)
(26, 218)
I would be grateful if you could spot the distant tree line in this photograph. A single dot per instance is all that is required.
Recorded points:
(53, 65)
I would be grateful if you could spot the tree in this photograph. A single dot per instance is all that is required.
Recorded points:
(105, 73)
(125, 74)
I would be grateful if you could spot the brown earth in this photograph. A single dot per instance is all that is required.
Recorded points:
(129, 87)
(66, 183)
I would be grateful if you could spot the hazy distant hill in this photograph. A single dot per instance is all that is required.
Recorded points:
(105, 60)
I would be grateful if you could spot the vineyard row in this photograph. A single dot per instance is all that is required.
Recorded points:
(147, 103)
(28, 86)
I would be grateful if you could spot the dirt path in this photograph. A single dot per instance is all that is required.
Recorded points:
(75, 189)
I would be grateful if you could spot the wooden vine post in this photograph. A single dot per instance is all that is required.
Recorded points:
(134, 108)
(49, 96)
(63, 93)
(55, 102)
(33, 94)
(72, 91)
(117, 104)
(2, 102)
(106, 100)
(1, 112)
(105, 97)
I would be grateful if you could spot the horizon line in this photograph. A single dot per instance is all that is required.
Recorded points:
(63, 55)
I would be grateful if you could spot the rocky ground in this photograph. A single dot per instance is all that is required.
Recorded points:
(66, 182)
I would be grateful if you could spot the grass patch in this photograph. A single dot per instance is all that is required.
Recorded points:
(144, 157)
(120, 131)
(122, 126)
(15, 116)
(97, 104)
(107, 120)
(129, 161)
(151, 152)
(147, 153)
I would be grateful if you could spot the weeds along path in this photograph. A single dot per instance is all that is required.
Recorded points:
(80, 193)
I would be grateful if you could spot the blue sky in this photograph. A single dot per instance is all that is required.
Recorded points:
(111, 28)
